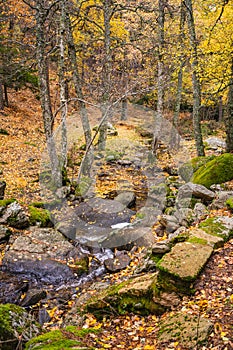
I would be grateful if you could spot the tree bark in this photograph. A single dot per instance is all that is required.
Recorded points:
(77, 81)
(229, 117)
(160, 77)
(181, 67)
(43, 77)
(195, 80)
(1, 97)
(107, 9)
(62, 80)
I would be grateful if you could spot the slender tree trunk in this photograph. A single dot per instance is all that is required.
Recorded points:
(106, 74)
(1, 96)
(182, 64)
(195, 80)
(77, 81)
(43, 76)
(6, 101)
(62, 80)
(124, 108)
(160, 77)
(229, 117)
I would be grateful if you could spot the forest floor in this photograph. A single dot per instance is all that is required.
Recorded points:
(21, 154)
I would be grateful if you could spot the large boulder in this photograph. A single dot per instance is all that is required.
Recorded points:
(103, 212)
(45, 255)
(189, 190)
(16, 326)
(140, 295)
(216, 171)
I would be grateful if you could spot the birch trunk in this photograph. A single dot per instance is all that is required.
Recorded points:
(63, 99)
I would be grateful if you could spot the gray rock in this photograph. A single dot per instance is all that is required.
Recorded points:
(178, 232)
(103, 212)
(160, 248)
(42, 253)
(147, 216)
(32, 297)
(220, 200)
(200, 211)
(184, 216)
(5, 232)
(127, 198)
(2, 189)
(188, 190)
(15, 216)
(215, 143)
(128, 237)
(170, 222)
(119, 262)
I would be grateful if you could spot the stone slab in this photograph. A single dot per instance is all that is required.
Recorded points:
(185, 260)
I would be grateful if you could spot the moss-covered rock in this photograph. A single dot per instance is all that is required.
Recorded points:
(139, 295)
(16, 325)
(187, 170)
(67, 338)
(185, 260)
(5, 202)
(229, 203)
(39, 215)
(215, 171)
(218, 226)
(188, 330)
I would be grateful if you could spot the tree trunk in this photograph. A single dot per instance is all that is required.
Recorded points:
(195, 80)
(160, 77)
(86, 164)
(124, 108)
(1, 97)
(62, 80)
(229, 117)
(43, 77)
(182, 64)
(77, 82)
(106, 74)
(6, 101)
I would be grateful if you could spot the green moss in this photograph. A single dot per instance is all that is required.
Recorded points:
(69, 338)
(214, 228)
(39, 215)
(229, 203)
(15, 323)
(6, 202)
(216, 171)
(197, 240)
(83, 186)
(187, 169)
(38, 204)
